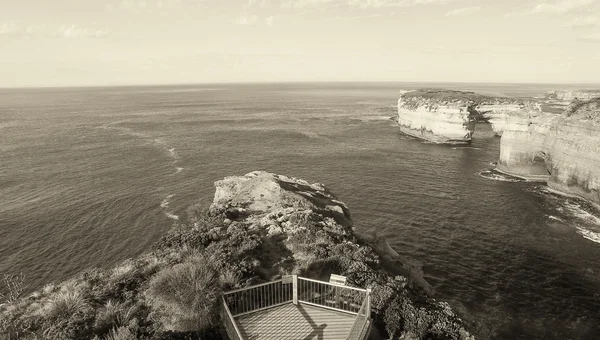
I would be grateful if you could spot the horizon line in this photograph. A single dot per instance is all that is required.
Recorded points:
(290, 82)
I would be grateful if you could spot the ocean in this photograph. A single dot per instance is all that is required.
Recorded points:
(92, 176)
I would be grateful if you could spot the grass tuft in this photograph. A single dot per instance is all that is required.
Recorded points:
(184, 297)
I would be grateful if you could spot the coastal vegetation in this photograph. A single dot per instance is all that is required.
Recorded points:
(173, 291)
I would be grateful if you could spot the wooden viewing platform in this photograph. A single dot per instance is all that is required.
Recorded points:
(297, 308)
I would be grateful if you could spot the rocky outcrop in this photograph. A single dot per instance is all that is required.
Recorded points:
(258, 194)
(444, 116)
(570, 95)
(304, 229)
(562, 149)
(260, 226)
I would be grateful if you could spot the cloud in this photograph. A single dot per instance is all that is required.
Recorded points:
(256, 3)
(247, 20)
(145, 6)
(14, 29)
(582, 22)
(361, 4)
(269, 20)
(463, 11)
(560, 6)
(77, 32)
(591, 38)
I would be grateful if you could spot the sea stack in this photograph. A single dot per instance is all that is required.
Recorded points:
(445, 116)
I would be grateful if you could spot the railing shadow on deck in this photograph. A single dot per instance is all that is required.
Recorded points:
(294, 289)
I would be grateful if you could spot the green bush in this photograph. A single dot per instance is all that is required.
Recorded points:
(184, 297)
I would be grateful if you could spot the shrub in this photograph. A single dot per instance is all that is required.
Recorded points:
(114, 315)
(184, 297)
(121, 333)
(64, 304)
(14, 287)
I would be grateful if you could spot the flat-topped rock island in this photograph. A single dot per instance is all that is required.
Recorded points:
(562, 149)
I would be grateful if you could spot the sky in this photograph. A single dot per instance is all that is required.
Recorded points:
(128, 42)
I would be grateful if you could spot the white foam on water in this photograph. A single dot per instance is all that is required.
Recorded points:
(172, 216)
(577, 210)
(588, 234)
(496, 176)
(555, 218)
(585, 222)
(179, 169)
(165, 202)
(465, 147)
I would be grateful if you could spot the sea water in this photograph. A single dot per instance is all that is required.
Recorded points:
(91, 176)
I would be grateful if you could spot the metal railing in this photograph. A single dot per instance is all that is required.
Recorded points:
(294, 289)
(233, 332)
(362, 321)
(332, 296)
(258, 297)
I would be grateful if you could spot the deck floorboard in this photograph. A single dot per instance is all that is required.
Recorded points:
(297, 322)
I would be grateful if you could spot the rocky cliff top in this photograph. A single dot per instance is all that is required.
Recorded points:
(453, 98)
(258, 193)
(585, 110)
(573, 94)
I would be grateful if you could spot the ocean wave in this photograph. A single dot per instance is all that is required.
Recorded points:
(588, 234)
(172, 216)
(465, 147)
(165, 204)
(574, 211)
(555, 218)
(178, 170)
(166, 201)
(590, 228)
(497, 176)
(579, 211)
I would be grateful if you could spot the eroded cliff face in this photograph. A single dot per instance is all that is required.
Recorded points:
(425, 114)
(568, 96)
(574, 147)
(562, 149)
(498, 114)
(523, 147)
(444, 116)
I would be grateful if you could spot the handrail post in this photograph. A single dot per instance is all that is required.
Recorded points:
(368, 303)
(295, 289)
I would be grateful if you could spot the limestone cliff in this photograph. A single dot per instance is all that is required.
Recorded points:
(562, 149)
(523, 148)
(498, 114)
(574, 147)
(444, 116)
(570, 95)
(438, 116)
